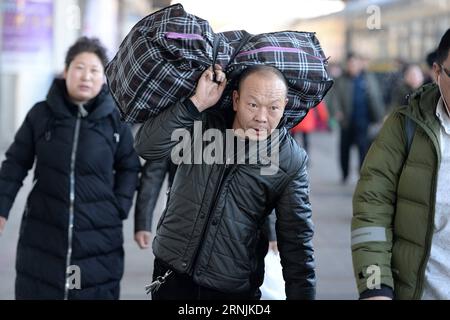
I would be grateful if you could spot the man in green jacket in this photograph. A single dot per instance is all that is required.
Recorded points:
(401, 225)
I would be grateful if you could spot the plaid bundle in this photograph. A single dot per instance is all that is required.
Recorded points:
(163, 56)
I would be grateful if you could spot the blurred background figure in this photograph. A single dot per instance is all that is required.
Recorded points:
(390, 79)
(335, 70)
(357, 103)
(86, 173)
(411, 81)
(430, 59)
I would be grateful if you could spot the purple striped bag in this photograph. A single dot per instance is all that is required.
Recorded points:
(163, 56)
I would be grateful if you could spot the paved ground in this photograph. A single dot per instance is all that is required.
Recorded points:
(331, 210)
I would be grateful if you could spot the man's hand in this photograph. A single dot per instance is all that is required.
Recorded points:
(142, 238)
(209, 92)
(2, 224)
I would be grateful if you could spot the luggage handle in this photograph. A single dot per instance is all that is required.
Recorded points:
(236, 52)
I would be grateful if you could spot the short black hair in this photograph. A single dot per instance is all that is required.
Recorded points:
(350, 55)
(85, 44)
(443, 48)
(261, 68)
(431, 58)
(353, 55)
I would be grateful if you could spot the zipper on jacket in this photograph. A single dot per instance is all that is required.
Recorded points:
(429, 238)
(76, 136)
(210, 210)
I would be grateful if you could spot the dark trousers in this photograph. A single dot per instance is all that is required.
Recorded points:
(182, 287)
(352, 136)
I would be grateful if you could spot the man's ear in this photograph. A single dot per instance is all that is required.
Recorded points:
(235, 100)
(436, 70)
(65, 73)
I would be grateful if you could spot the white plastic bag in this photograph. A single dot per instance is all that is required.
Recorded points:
(273, 286)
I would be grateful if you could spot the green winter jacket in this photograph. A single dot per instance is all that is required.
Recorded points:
(394, 201)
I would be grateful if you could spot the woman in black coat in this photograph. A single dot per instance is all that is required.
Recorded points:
(86, 173)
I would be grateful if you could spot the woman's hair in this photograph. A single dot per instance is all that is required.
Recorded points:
(85, 44)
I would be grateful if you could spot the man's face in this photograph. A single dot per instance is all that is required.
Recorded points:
(443, 79)
(259, 105)
(354, 66)
(414, 77)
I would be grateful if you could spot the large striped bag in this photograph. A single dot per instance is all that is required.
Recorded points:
(163, 56)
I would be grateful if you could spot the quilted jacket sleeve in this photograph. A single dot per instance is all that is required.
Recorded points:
(19, 160)
(294, 228)
(154, 140)
(374, 205)
(151, 181)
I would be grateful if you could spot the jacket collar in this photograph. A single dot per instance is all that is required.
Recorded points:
(422, 109)
(62, 107)
(443, 116)
(273, 142)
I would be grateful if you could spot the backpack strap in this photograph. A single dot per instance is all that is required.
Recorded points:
(410, 128)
